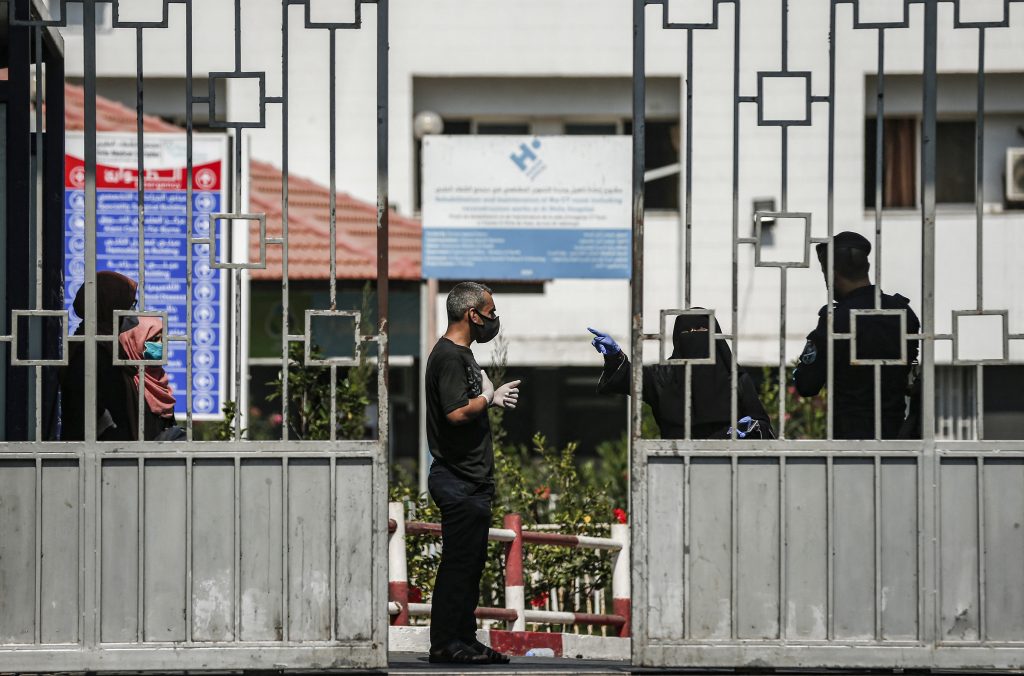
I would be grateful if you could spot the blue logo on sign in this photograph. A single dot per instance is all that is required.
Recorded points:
(202, 403)
(204, 336)
(527, 159)
(203, 358)
(203, 382)
(204, 202)
(203, 313)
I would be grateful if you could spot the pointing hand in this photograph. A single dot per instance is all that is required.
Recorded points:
(604, 343)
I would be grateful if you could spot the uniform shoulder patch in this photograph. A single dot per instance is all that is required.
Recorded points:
(810, 353)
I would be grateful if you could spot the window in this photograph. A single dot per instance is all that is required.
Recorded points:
(954, 162)
(899, 162)
(510, 128)
(661, 149)
(591, 128)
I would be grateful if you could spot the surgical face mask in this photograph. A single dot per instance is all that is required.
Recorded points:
(154, 350)
(484, 333)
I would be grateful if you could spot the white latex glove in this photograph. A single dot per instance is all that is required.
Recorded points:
(507, 396)
(486, 388)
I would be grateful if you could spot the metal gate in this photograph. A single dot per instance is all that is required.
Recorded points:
(230, 554)
(831, 553)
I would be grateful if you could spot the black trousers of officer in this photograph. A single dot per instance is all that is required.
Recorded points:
(465, 519)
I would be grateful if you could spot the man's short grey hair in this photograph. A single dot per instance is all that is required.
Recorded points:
(463, 296)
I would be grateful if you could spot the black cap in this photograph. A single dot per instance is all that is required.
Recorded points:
(846, 240)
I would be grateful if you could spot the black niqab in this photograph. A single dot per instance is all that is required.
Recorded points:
(711, 383)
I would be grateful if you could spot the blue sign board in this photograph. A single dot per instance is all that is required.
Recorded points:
(166, 244)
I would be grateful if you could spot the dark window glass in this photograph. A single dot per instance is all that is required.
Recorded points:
(954, 161)
(457, 127)
(511, 128)
(590, 128)
(662, 149)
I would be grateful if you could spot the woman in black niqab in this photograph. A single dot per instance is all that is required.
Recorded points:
(664, 386)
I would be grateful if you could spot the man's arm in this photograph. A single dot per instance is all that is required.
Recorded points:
(473, 408)
(471, 411)
(812, 371)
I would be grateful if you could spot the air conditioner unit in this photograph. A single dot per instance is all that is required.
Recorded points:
(1015, 174)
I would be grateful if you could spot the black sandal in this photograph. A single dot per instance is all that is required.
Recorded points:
(493, 656)
(457, 652)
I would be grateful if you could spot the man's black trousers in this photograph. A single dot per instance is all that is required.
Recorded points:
(465, 519)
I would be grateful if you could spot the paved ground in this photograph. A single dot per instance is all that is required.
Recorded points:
(416, 663)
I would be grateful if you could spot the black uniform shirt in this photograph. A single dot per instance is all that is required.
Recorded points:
(453, 378)
(877, 338)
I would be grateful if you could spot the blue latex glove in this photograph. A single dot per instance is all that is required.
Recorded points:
(744, 427)
(604, 343)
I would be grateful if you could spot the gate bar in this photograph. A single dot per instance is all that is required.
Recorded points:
(638, 458)
(929, 589)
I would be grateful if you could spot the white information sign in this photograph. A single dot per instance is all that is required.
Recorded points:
(526, 207)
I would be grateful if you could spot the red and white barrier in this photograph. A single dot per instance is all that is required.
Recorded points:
(515, 595)
(398, 571)
(514, 614)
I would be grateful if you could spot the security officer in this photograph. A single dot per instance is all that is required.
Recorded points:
(877, 338)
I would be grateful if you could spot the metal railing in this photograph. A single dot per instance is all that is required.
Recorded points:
(515, 613)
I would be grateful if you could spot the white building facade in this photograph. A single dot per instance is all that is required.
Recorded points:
(565, 66)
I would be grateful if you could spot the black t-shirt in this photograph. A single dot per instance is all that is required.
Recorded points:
(453, 378)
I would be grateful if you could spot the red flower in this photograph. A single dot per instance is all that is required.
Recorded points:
(540, 600)
(415, 595)
(620, 515)
(543, 492)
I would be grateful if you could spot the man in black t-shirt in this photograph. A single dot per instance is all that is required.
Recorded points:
(458, 394)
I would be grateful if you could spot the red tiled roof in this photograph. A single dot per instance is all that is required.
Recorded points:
(308, 211)
(110, 115)
(309, 231)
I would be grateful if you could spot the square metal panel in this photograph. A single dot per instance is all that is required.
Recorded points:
(333, 25)
(958, 21)
(860, 24)
(762, 217)
(712, 25)
(357, 338)
(261, 79)
(62, 314)
(259, 265)
(1004, 338)
(856, 314)
(160, 23)
(801, 78)
(119, 316)
(693, 312)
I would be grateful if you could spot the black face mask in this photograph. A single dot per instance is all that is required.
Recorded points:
(484, 333)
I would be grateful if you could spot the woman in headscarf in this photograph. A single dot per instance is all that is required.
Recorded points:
(664, 386)
(116, 410)
(143, 341)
